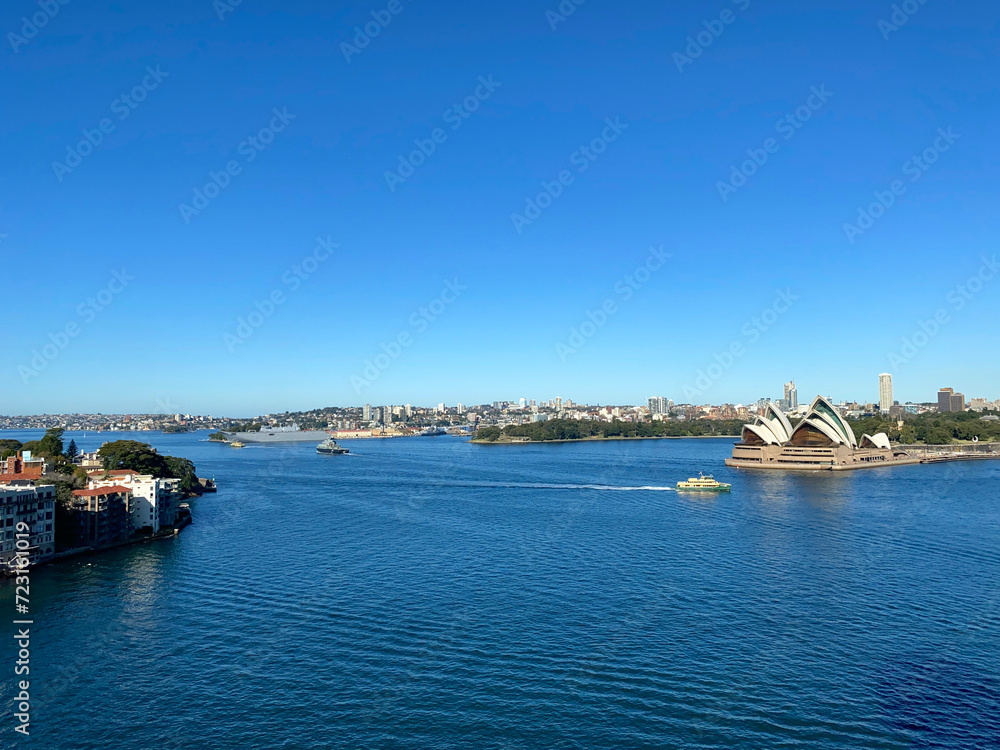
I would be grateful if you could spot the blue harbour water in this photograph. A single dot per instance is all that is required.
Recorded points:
(430, 593)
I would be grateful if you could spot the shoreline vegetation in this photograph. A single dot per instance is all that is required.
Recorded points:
(572, 430)
(598, 439)
(927, 429)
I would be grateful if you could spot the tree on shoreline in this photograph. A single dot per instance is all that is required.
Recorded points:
(142, 458)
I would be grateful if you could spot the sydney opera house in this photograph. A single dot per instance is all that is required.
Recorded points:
(822, 440)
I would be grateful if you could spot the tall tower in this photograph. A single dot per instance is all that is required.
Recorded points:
(657, 405)
(366, 413)
(884, 392)
(791, 395)
(945, 399)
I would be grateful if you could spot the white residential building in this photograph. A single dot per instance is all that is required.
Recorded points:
(154, 501)
(884, 392)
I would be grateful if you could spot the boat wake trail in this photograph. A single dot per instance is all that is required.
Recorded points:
(544, 486)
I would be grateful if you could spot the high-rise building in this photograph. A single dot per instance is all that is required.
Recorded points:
(948, 400)
(791, 396)
(460, 408)
(366, 413)
(657, 404)
(944, 399)
(558, 403)
(440, 408)
(387, 415)
(21, 502)
(884, 392)
(521, 402)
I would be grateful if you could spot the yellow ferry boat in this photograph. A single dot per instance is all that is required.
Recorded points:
(704, 483)
(237, 444)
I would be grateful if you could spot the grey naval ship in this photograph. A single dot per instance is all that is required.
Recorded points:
(289, 434)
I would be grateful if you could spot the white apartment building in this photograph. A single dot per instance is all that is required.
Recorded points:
(154, 501)
(884, 392)
(23, 502)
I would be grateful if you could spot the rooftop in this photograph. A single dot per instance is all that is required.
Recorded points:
(100, 491)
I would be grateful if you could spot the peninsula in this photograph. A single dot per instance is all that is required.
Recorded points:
(68, 502)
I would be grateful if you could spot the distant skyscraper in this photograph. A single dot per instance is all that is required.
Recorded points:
(791, 395)
(366, 413)
(948, 400)
(657, 405)
(521, 402)
(884, 392)
(558, 403)
(387, 415)
(944, 399)
(460, 408)
(440, 408)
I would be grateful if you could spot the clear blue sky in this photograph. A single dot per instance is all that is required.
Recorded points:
(161, 343)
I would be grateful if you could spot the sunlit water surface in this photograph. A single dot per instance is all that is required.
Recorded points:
(429, 593)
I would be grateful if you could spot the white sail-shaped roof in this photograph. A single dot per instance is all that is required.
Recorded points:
(818, 423)
(878, 440)
(773, 414)
(822, 407)
(763, 432)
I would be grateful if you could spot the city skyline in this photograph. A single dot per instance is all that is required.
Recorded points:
(655, 404)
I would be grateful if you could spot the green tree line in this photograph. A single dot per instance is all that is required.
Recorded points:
(573, 429)
(140, 457)
(931, 429)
